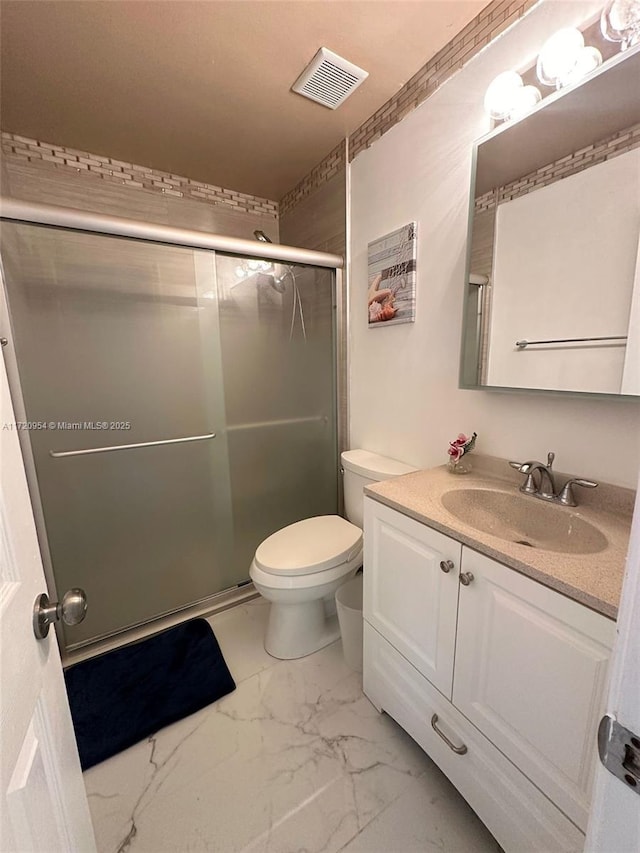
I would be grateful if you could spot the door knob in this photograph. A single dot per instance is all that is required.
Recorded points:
(446, 565)
(466, 578)
(72, 610)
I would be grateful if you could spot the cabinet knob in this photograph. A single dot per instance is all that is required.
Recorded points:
(446, 565)
(466, 578)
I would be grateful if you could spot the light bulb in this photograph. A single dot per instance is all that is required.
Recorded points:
(253, 264)
(526, 99)
(240, 272)
(559, 55)
(620, 21)
(587, 61)
(502, 94)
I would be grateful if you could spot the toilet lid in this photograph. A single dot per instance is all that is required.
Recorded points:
(311, 545)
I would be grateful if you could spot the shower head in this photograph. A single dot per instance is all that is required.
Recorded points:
(277, 284)
(260, 235)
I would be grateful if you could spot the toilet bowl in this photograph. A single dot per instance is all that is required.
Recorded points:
(299, 568)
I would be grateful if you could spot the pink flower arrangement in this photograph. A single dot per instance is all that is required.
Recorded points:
(463, 444)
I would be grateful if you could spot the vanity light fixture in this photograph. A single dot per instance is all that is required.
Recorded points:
(508, 97)
(564, 59)
(620, 21)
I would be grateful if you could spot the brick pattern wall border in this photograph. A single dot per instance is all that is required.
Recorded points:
(496, 17)
(21, 148)
(478, 33)
(606, 149)
(319, 175)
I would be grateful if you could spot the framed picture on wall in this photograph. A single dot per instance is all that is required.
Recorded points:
(391, 292)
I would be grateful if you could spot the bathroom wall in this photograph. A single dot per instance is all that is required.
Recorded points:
(38, 171)
(404, 399)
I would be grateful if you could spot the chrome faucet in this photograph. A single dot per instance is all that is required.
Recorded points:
(545, 488)
(530, 486)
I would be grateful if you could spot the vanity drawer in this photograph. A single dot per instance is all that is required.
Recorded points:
(520, 817)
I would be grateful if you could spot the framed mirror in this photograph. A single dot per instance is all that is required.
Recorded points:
(553, 277)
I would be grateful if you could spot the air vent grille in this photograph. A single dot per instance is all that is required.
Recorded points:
(329, 79)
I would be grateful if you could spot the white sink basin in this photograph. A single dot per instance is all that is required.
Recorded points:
(524, 520)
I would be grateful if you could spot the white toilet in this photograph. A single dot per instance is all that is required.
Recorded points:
(299, 568)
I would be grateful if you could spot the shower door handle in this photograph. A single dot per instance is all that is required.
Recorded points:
(59, 454)
(72, 610)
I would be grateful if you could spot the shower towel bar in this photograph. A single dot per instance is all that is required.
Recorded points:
(58, 454)
(524, 344)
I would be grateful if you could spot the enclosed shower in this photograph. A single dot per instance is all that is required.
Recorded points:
(179, 405)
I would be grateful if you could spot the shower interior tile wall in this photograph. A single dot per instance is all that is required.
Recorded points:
(48, 174)
(295, 759)
(131, 174)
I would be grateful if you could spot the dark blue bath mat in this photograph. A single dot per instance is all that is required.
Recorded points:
(126, 695)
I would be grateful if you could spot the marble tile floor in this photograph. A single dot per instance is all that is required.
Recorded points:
(296, 760)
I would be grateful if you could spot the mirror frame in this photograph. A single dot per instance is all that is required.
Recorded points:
(552, 108)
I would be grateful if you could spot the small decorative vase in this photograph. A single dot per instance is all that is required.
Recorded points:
(462, 466)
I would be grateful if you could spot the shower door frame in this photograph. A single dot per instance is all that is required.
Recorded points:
(32, 213)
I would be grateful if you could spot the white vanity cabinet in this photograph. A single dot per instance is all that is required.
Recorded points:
(513, 722)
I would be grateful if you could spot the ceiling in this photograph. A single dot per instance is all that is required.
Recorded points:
(202, 89)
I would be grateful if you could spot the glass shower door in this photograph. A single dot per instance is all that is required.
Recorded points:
(278, 343)
(117, 344)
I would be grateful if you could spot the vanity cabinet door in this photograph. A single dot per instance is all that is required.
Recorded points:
(531, 667)
(408, 597)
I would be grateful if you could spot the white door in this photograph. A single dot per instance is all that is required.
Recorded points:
(44, 806)
(411, 590)
(614, 822)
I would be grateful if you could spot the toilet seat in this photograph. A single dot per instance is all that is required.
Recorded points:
(310, 546)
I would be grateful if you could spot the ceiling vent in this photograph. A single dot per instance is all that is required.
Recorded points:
(329, 79)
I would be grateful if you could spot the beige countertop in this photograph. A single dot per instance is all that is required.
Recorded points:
(593, 579)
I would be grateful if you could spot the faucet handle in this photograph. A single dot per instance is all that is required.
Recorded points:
(517, 465)
(550, 457)
(566, 496)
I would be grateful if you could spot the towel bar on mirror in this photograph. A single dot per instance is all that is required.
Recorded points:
(525, 343)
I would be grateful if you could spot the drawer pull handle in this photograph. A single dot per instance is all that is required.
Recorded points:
(446, 565)
(459, 750)
(466, 578)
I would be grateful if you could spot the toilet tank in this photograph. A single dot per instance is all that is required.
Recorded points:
(361, 467)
